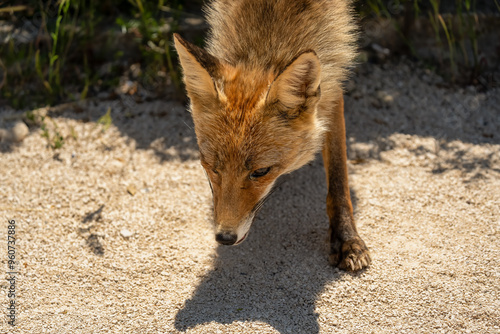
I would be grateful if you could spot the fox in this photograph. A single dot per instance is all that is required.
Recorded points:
(265, 95)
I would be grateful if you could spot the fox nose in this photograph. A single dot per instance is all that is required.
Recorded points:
(226, 238)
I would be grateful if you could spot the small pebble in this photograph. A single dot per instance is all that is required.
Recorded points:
(132, 190)
(126, 233)
(385, 97)
(16, 134)
(19, 132)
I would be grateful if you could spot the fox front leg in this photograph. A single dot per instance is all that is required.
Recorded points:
(347, 250)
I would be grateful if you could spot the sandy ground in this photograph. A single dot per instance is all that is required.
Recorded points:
(114, 232)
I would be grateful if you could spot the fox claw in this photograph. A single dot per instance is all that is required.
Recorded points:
(353, 255)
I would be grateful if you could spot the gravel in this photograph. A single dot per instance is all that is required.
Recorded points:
(114, 232)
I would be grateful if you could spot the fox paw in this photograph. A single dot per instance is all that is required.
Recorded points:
(350, 255)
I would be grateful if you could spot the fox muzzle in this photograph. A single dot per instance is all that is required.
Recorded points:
(226, 238)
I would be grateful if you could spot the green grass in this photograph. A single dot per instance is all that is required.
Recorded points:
(454, 33)
(105, 120)
(54, 138)
(64, 60)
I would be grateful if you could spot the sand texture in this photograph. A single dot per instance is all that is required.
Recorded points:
(114, 231)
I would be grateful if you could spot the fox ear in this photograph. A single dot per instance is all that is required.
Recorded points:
(199, 68)
(299, 81)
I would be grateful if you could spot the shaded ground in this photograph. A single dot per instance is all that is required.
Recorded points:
(93, 258)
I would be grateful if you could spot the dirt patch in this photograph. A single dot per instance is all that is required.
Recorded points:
(114, 232)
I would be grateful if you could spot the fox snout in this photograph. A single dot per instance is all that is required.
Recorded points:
(238, 193)
(233, 235)
(226, 238)
(229, 238)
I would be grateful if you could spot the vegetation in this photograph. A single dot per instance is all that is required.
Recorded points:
(63, 50)
(69, 49)
(454, 22)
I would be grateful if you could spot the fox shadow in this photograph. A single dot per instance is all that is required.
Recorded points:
(275, 276)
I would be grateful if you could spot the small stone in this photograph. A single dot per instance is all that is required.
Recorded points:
(382, 53)
(19, 132)
(127, 87)
(126, 233)
(388, 99)
(385, 97)
(132, 190)
(135, 70)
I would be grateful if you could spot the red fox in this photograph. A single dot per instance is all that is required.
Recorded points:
(265, 97)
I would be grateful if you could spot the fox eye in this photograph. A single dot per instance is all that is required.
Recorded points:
(209, 169)
(259, 172)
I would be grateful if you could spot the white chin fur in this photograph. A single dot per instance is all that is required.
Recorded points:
(244, 228)
(242, 231)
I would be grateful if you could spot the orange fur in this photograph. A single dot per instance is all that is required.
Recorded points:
(264, 96)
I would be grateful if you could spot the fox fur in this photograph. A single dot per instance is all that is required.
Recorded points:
(265, 97)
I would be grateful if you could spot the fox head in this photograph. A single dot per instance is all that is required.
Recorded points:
(252, 125)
